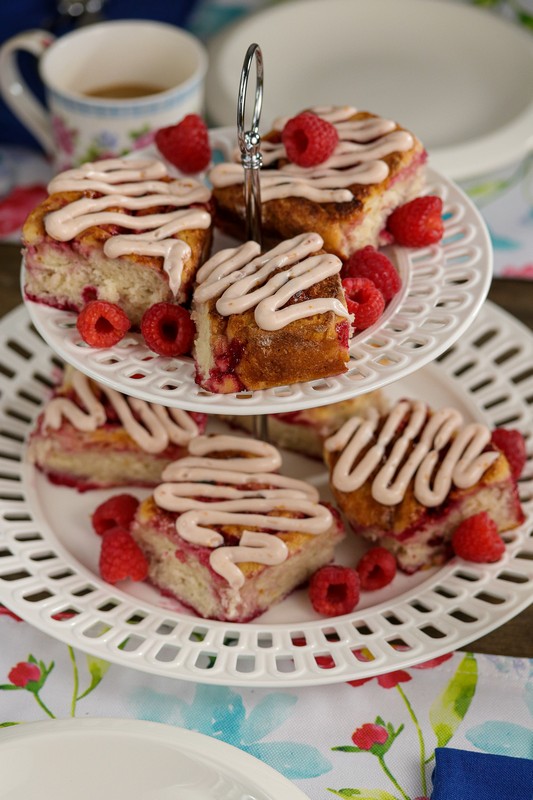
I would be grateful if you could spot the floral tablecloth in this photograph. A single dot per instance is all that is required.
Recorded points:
(372, 739)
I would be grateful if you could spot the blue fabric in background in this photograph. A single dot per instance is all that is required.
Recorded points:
(20, 15)
(469, 775)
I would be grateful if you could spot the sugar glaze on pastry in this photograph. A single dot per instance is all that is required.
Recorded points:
(131, 185)
(217, 481)
(463, 464)
(151, 426)
(242, 279)
(357, 159)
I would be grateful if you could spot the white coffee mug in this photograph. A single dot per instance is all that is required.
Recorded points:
(87, 75)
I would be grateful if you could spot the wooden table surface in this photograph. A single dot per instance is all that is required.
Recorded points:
(515, 638)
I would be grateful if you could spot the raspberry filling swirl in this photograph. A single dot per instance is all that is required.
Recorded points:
(211, 492)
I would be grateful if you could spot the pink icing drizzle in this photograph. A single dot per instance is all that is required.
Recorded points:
(357, 159)
(151, 426)
(132, 185)
(207, 492)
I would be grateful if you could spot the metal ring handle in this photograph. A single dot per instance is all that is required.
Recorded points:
(250, 141)
(243, 136)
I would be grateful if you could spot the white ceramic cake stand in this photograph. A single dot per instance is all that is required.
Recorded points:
(443, 289)
(49, 554)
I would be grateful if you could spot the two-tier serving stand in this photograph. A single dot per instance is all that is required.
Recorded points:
(425, 345)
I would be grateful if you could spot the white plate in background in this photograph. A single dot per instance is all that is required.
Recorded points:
(458, 76)
(125, 759)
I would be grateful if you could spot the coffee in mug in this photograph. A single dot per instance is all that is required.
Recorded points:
(123, 91)
(109, 86)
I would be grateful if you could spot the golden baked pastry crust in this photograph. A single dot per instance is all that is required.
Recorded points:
(360, 507)
(417, 535)
(47, 266)
(304, 350)
(283, 218)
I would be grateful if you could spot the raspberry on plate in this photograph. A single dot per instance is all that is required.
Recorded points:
(309, 140)
(186, 145)
(417, 223)
(364, 301)
(102, 324)
(513, 446)
(115, 512)
(334, 590)
(376, 568)
(370, 263)
(168, 329)
(121, 557)
(477, 539)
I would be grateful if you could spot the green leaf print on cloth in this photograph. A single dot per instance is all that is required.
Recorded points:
(32, 675)
(449, 709)
(363, 794)
(446, 713)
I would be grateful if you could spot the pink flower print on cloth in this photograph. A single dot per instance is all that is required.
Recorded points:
(23, 673)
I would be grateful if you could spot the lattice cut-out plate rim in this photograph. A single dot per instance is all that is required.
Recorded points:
(444, 287)
(455, 604)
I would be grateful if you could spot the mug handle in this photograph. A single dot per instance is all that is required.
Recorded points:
(15, 91)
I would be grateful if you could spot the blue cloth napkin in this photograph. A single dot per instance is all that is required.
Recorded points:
(467, 775)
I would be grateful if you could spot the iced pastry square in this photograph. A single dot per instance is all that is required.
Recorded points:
(92, 437)
(227, 535)
(270, 319)
(118, 230)
(376, 166)
(407, 479)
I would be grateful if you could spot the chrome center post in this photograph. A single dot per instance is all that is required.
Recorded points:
(250, 142)
(252, 161)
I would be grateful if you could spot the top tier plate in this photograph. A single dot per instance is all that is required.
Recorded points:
(443, 288)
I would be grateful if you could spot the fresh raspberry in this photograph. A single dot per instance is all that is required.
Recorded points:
(513, 446)
(370, 263)
(117, 511)
(477, 539)
(417, 223)
(309, 140)
(168, 329)
(121, 557)
(186, 145)
(334, 590)
(364, 301)
(102, 324)
(376, 568)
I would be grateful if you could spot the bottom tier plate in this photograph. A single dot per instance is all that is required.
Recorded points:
(49, 555)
